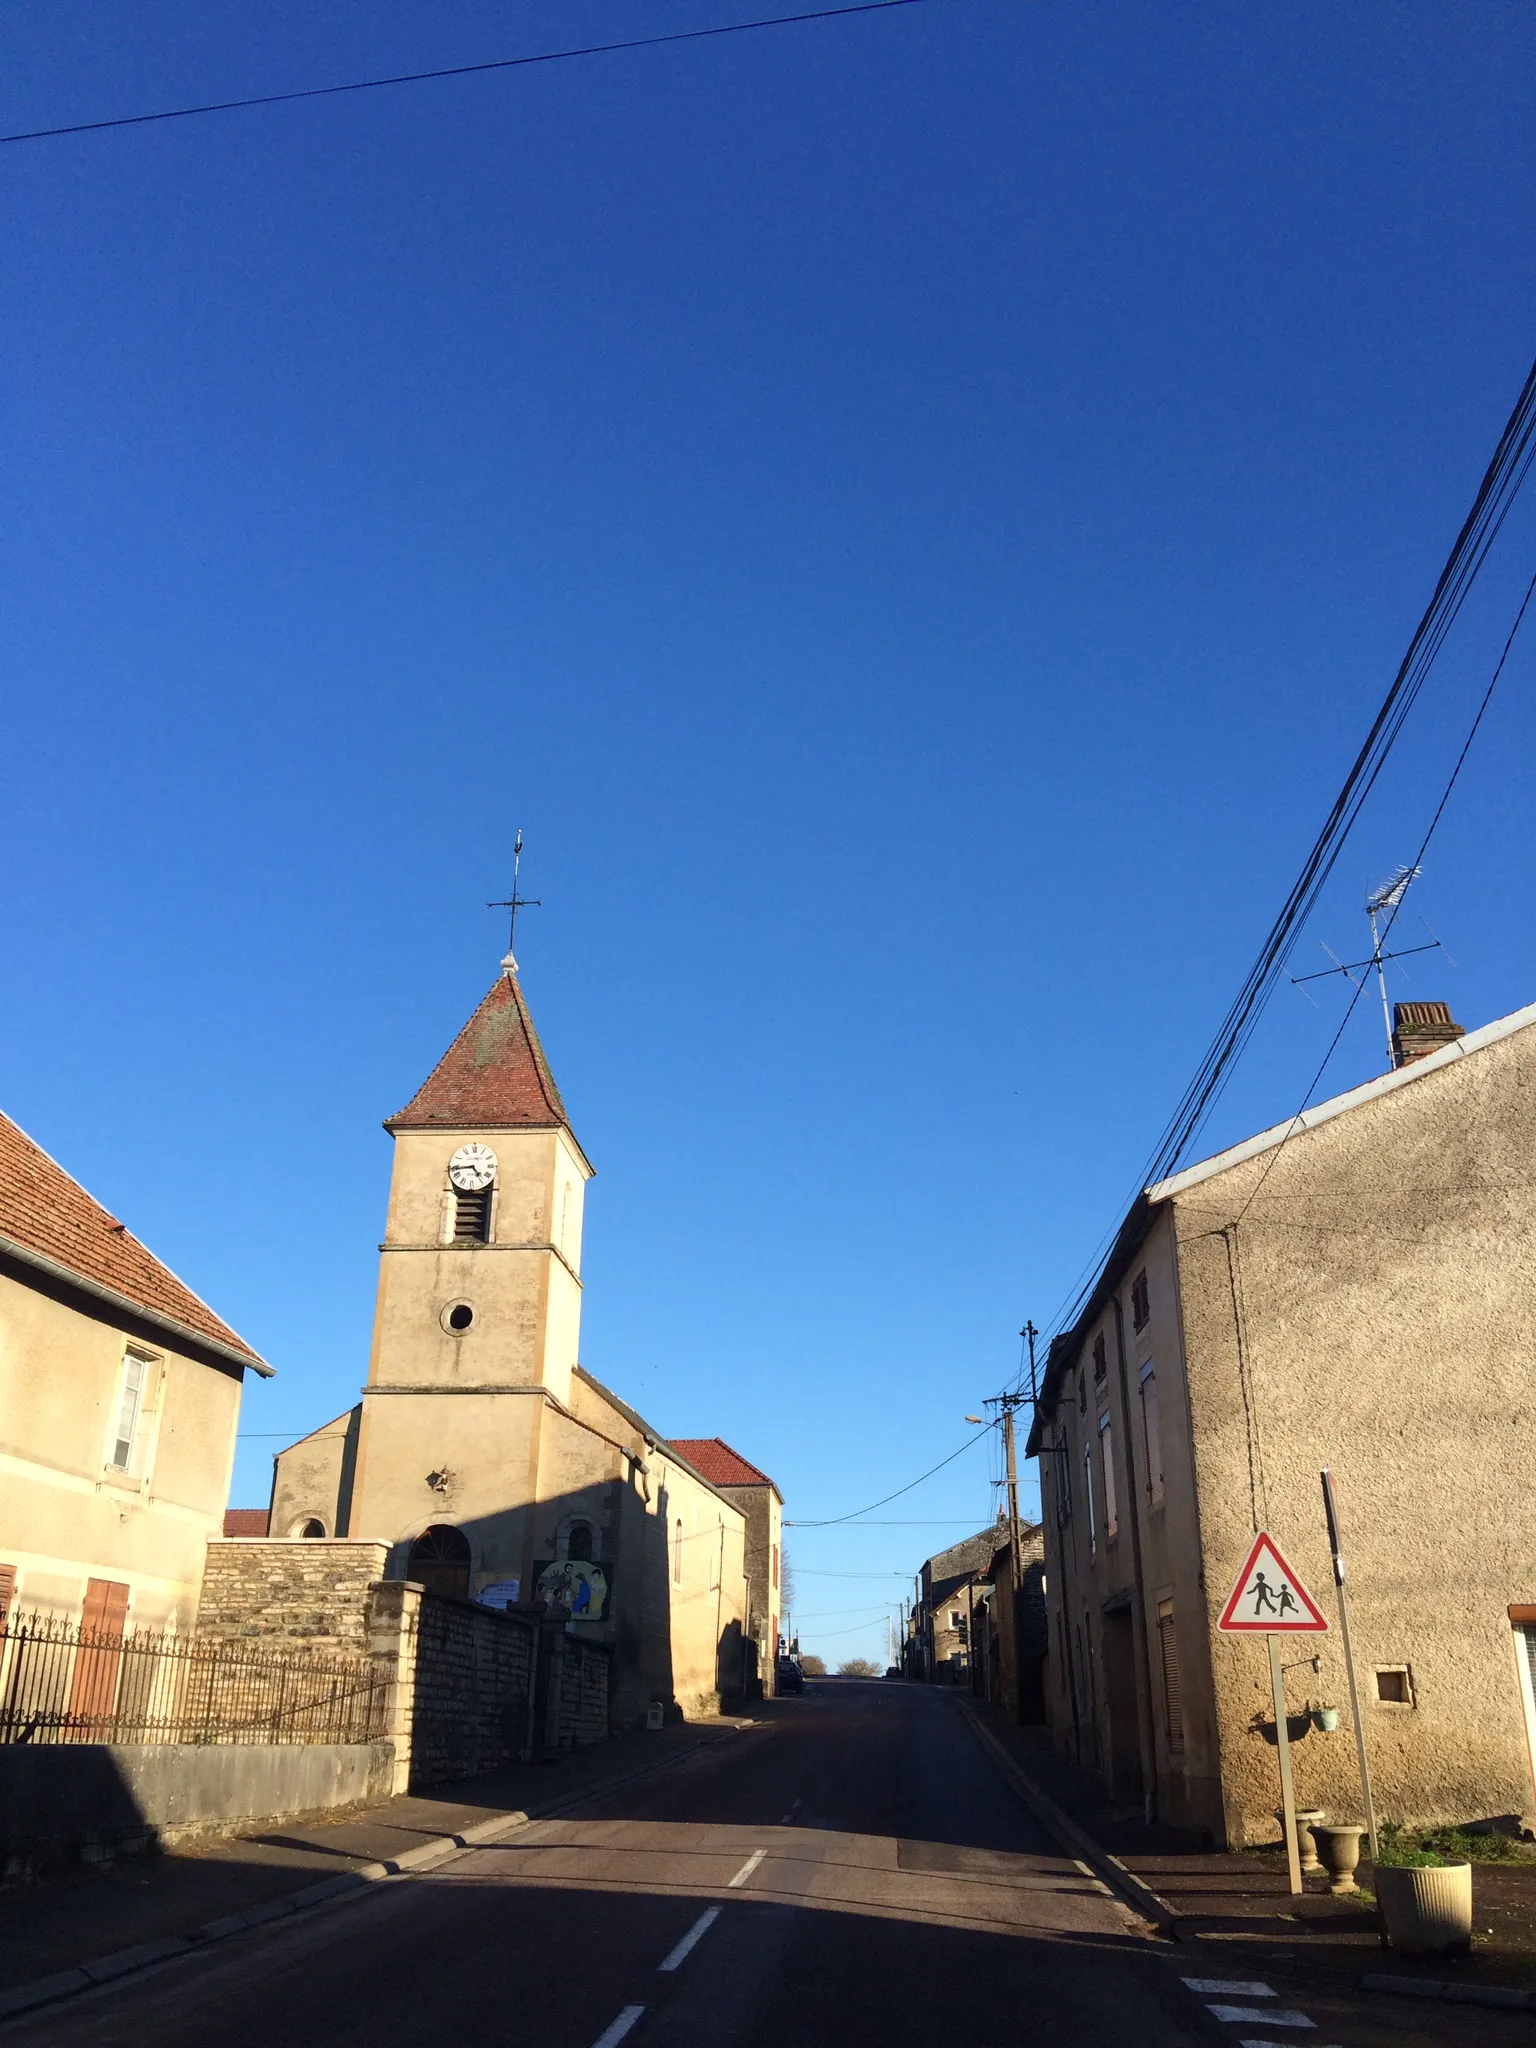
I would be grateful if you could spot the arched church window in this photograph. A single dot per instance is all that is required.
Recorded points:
(439, 1560)
(578, 1544)
(313, 1527)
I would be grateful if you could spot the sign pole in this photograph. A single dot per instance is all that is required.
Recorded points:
(1283, 1749)
(1349, 1658)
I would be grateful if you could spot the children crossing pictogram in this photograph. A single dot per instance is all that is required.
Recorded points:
(1269, 1598)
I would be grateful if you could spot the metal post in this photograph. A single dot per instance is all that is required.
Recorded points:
(1014, 1545)
(1283, 1748)
(1349, 1658)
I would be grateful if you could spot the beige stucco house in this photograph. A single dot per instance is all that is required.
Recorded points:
(482, 1453)
(1356, 1290)
(762, 1508)
(119, 1400)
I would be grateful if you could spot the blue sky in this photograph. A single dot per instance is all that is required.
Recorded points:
(912, 515)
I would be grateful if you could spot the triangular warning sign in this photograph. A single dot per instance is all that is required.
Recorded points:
(1269, 1599)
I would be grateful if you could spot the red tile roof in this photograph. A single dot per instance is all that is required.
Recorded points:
(494, 1073)
(44, 1211)
(713, 1459)
(246, 1521)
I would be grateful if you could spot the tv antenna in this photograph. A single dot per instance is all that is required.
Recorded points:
(1381, 907)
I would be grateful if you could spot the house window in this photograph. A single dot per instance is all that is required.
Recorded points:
(1100, 1361)
(578, 1544)
(1141, 1308)
(775, 1567)
(1173, 1697)
(7, 1590)
(472, 1215)
(1061, 1472)
(677, 1551)
(1152, 1431)
(1088, 1495)
(1082, 1394)
(1107, 1467)
(130, 1410)
(1394, 1685)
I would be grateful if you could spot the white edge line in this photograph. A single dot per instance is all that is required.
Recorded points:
(743, 1874)
(691, 1940)
(621, 2026)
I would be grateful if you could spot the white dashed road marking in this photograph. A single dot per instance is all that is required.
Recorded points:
(1260, 2016)
(1223, 1988)
(745, 1872)
(621, 2026)
(691, 1940)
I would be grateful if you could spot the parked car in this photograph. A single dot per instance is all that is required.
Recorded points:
(789, 1676)
(893, 1671)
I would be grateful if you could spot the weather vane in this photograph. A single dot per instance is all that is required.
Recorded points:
(514, 903)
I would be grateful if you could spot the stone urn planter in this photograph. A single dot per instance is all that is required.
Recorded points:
(1426, 1912)
(1339, 1848)
(1307, 1818)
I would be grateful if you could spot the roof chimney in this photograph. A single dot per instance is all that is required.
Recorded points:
(1421, 1028)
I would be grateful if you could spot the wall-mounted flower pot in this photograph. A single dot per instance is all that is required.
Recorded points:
(1325, 1720)
(1427, 1912)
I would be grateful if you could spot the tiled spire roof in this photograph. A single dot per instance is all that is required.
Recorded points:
(494, 1073)
(46, 1213)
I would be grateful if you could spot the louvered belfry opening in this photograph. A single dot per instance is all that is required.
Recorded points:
(472, 1216)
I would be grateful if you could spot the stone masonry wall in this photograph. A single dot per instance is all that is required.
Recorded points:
(306, 1590)
(583, 1694)
(474, 1669)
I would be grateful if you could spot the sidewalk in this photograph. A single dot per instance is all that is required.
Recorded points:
(185, 1894)
(1239, 1902)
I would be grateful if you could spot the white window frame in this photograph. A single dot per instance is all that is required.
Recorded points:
(139, 1395)
(1520, 1631)
(1107, 1469)
(1152, 1431)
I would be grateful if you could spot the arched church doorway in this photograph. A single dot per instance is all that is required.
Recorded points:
(439, 1560)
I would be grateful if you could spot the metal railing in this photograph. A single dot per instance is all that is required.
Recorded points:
(61, 1681)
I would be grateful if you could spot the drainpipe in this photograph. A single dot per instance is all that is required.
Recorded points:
(1145, 1712)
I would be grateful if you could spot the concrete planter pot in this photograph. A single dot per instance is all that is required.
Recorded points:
(1426, 1912)
(1325, 1720)
(1339, 1848)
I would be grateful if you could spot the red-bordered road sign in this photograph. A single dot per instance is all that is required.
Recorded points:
(1269, 1598)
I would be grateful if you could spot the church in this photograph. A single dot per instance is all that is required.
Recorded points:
(495, 1466)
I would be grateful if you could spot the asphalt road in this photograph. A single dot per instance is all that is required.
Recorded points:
(850, 1870)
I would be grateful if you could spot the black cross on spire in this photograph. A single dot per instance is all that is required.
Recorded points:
(514, 903)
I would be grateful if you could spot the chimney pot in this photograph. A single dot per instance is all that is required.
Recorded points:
(1421, 1028)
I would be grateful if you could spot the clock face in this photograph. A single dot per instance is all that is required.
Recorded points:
(472, 1168)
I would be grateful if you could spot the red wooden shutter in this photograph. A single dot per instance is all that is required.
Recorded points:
(93, 1692)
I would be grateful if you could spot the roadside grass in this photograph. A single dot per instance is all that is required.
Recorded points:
(1432, 1848)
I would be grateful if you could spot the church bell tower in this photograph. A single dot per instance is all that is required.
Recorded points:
(479, 1301)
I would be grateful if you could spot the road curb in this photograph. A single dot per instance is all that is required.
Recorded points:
(1142, 1900)
(346, 1884)
(1508, 1997)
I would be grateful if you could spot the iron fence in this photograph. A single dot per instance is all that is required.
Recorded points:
(62, 1681)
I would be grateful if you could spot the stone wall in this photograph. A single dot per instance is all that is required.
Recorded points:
(307, 1591)
(473, 1677)
(583, 1694)
(472, 1688)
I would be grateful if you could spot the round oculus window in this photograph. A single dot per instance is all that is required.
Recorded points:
(458, 1317)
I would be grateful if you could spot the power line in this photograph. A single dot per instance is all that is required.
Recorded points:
(321, 92)
(1445, 797)
(835, 1521)
(1501, 483)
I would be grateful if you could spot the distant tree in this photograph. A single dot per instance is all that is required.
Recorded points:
(786, 1581)
(857, 1667)
(813, 1667)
